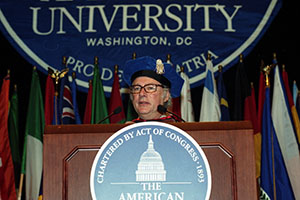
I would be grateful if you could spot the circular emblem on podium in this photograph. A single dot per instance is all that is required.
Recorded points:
(150, 161)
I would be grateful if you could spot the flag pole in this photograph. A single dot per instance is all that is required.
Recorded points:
(134, 55)
(19, 195)
(56, 76)
(220, 67)
(208, 56)
(20, 186)
(116, 68)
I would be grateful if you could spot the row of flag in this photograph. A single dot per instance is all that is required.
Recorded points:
(276, 127)
(59, 108)
(62, 107)
(12, 165)
(280, 160)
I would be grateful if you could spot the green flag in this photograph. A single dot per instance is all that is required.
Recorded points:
(13, 130)
(99, 108)
(32, 160)
(131, 114)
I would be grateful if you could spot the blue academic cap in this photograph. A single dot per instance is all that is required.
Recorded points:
(156, 69)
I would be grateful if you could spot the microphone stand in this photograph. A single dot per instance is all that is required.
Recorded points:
(163, 109)
(116, 111)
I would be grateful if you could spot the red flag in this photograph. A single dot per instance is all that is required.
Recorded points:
(253, 99)
(250, 109)
(88, 105)
(285, 79)
(250, 114)
(49, 100)
(291, 103)
(261, 97)
(245, 95)
(257, 137)
(176, 106)
(7, 180)
(116, 101)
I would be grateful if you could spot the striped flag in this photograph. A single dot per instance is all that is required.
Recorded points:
(74, 99)
(285, 133)
(274, 180)
(32, 161)
(187, 111)
(68, 115)
(210, 106)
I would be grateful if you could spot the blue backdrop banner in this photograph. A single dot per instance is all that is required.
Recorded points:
(44, 31)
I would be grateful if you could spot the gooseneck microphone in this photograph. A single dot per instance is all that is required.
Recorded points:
(116, 111)
(162, 109)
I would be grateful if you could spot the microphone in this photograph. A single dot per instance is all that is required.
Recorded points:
(162, 109)
(116, 111)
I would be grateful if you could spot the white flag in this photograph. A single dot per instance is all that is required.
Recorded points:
(210, 105)
(285, 133)
(186, 106)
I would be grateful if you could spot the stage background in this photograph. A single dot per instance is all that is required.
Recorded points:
(281, 38)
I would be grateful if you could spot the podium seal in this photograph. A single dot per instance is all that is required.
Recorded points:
(150, 161)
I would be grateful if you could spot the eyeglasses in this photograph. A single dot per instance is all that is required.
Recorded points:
(149, 88)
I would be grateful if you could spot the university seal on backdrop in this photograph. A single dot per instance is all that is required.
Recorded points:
(45, 30)
(150, 161)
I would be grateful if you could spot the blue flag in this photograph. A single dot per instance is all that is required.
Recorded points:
(58, 103)
(274, 178)
(69, 114)
(284, 130)
(56, 113)
(223, 98)
(267, 170)
(74, 100)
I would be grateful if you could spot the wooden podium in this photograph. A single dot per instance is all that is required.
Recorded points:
(69, 152)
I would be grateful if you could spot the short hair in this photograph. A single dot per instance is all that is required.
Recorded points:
(168, 103)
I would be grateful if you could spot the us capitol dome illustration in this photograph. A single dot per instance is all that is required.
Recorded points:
(150, 166)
